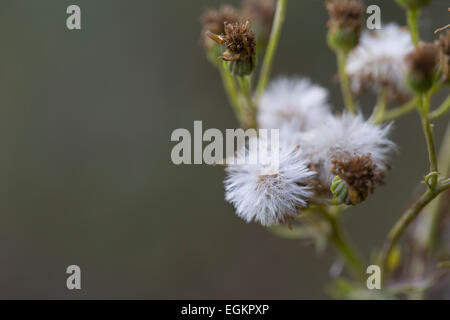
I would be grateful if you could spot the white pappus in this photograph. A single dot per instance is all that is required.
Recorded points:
(293, 105)
(345, 136)
(267, 193)
(379, 61)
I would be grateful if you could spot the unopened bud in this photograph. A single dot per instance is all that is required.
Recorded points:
(422, 63)
(345, 24)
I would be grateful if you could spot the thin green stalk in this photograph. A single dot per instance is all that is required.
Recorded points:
(406, 219)
(245, 85)
(413, 23)
(424, 108)
(345, 82)
(247, 102)
(428, 130)
(380, 108)
(337, 237)
(280, 14)
(441, 110)
(231, 90)
(400, 111)
(432, 217)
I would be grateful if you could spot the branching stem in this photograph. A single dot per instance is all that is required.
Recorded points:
(406, 219)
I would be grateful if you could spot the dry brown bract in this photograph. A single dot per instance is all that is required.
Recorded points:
(423, 60)
(360, 173)
(214, 21)
(239, 41)
(348, 14)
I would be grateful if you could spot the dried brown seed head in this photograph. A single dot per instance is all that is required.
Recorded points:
(360, 173)
(239, 41)
(214, 21)
(347, 14)
(423, 60)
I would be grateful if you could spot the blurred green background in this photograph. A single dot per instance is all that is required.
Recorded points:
(87, 178)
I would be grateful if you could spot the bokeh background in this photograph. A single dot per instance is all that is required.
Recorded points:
(86, 175)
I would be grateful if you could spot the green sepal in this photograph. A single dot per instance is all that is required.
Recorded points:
(339, 39)
(240, 67)
(419, 83)
(339, 189)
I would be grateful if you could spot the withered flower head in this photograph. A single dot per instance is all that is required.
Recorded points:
(444, 54)
(378, 63)
(239, 42)
(361, 175)
(347, 13)
(261, 13)
(345, 24)
(214, 20)
(422, 64)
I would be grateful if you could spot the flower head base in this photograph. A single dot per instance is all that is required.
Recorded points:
(345, 137)
(214, 21)
(413, 4)
(266, 194)
(346, 21)
(360, 174)
(422, 64)
(293, 105)
(261, 12)
(379, 62)
(444, 54)
(239, 41)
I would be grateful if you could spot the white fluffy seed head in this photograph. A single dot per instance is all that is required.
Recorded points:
(266, 193)
(293, 105)
(345, 136)
(379, 61)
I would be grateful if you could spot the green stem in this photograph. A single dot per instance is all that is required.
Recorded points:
(406, 219)
(424, 108)
(346, 251)
(345, 82)
(232, 93)
(442, 110)
(380, 108)
(400, 111)
(431, 219)
(247, 101)
(413, 23)
(280, 14)
(244, 83)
